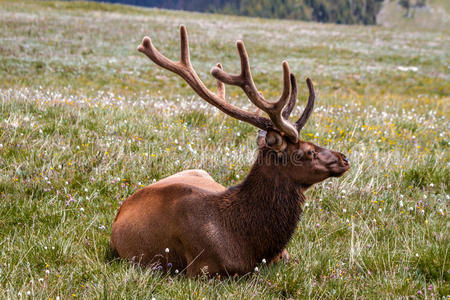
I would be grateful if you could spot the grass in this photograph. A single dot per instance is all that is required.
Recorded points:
(85, 120)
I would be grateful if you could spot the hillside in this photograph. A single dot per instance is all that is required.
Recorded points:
(328, 11)
(86, 120)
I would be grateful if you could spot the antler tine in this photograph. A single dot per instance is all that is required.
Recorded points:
(284, 98)
(148, 49)
(292, 99)
(309, 107)
(220, 85)
(184, 69)
(184, 47)
(245, 81)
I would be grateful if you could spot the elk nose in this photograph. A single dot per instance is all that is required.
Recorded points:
(344, 158)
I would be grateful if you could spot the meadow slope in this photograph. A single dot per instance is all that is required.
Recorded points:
(86, 120)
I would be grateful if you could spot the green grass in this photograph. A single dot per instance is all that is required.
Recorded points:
(85, 120)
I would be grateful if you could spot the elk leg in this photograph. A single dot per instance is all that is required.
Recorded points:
(284, 255)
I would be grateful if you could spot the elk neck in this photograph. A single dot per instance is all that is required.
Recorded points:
(263, 211)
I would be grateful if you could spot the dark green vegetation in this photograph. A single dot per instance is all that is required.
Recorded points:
(332, 11)
(85, 120)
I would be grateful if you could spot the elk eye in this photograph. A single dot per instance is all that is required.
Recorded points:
(310, 152)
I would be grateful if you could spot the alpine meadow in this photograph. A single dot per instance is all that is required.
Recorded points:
(86, 120)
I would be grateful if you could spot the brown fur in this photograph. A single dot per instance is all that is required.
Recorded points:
(208, 228)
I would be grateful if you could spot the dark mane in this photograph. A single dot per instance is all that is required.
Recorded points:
(263, 211)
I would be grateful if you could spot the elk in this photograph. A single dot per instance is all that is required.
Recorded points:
(191, 223)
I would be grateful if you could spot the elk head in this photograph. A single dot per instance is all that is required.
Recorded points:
(278, 138)
(303, 162)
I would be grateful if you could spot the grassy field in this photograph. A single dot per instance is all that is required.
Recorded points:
(86, 120)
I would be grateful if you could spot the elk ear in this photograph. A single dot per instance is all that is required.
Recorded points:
(261, 139)
(275, 141)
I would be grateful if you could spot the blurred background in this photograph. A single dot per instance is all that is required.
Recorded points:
(368, 12)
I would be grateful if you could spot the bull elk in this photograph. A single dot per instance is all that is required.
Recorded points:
(191, 223)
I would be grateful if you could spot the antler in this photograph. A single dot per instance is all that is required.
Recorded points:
(309, 106)
(278, 111)
(245, 81)
(184, 69)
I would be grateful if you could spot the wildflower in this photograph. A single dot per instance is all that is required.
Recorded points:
(400, 203)
(176, 271)
(264, 261)
(167, 250)
(256, 269)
